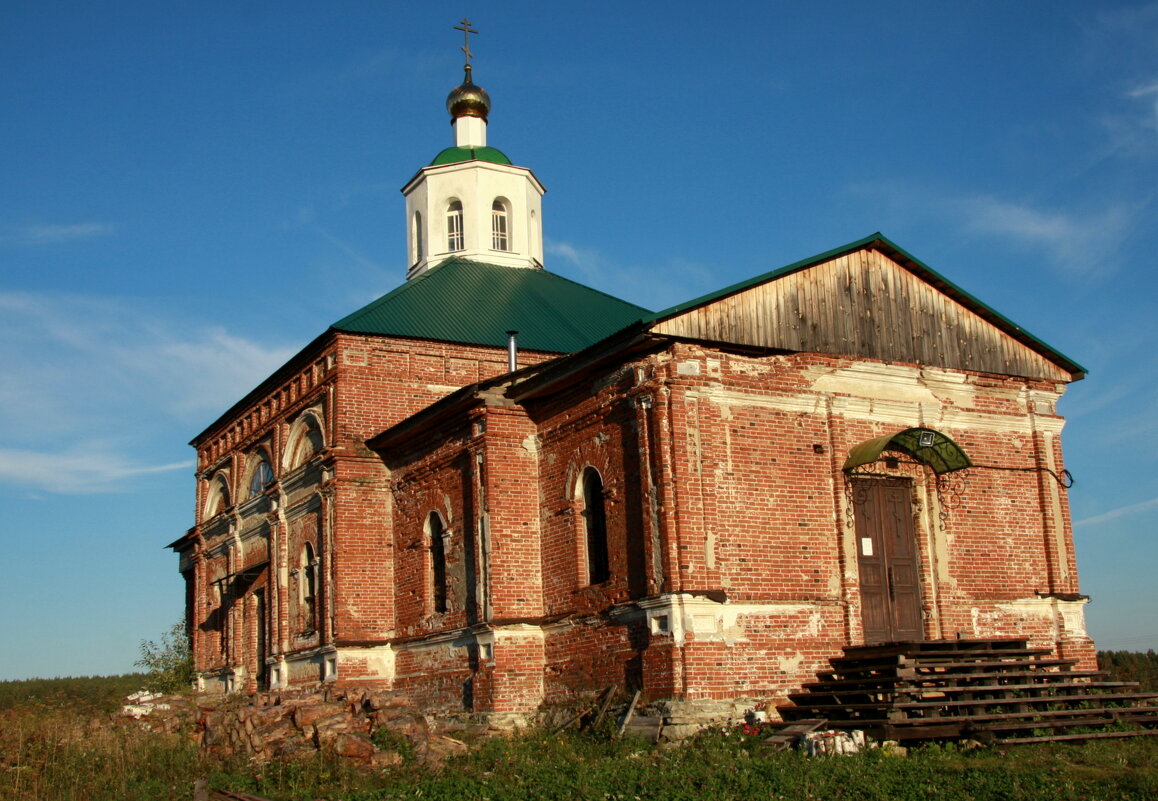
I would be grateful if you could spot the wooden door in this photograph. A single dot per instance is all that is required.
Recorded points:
(890, 585)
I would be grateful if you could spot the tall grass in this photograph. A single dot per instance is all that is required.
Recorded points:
(49, 754)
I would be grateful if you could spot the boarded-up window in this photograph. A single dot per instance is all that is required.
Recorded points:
(437, 562)
(594, 512)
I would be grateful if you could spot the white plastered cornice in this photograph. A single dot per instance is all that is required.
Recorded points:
(901, 395)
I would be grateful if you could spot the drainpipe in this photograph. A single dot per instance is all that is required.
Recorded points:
(512, 351)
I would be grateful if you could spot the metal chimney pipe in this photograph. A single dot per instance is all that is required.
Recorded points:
(512, 351)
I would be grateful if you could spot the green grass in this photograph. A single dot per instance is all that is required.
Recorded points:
(50, 751)
(714, 766)
(54, 755)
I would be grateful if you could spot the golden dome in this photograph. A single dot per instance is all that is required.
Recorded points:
(468, 100)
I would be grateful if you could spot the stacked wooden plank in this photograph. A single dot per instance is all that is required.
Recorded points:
(996, 690)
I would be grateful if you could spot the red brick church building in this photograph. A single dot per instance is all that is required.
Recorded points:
(704, 502)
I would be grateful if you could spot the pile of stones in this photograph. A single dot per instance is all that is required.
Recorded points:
(375, 729)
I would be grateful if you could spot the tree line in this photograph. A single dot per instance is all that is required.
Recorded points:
(87, 693)
(107, 693)
(1138, 666)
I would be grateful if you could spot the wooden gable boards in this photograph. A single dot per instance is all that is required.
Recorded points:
(869, 300)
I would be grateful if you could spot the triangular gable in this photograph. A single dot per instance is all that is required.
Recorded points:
(872, 300)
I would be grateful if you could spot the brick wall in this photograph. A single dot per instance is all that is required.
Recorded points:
(732, 544)
(355, 385)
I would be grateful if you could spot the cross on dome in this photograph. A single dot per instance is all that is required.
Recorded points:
(468, 100)
(464, 26)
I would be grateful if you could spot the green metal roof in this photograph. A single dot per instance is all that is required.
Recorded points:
(473, 302)
(454, 155)
(879, 242)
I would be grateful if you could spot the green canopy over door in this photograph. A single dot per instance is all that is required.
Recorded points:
(926, 445)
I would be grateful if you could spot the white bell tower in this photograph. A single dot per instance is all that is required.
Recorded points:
(471, 202)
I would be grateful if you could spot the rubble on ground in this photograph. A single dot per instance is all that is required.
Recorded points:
(372, 728)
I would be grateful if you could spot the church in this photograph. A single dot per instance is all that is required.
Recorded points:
(496, 489)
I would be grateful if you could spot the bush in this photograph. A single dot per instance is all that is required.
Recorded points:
(168, 664)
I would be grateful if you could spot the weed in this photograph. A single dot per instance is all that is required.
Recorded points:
(389, 740)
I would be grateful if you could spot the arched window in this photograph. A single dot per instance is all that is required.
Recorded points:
(594, 512)
(261, 477)
(500, 226)
(218, 499)
(454, 233)
(309, 588)
(312, 442)
(307, 442)
(436, 531)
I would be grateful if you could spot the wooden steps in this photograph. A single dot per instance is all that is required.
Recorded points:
(996, 690)
(1051, 676)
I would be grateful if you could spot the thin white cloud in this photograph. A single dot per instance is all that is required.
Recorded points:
(591, 265)
(639, 285)
(1121, 511)
(1150, 94)
(1131, 124)
(569, 252)
(90, 470)
(111, 349)
(1120, 402)
(1119, 52)
(346, 247)
(210, 370)
(308, 217)
(1080, 243)
(96, 382)
(31, 235)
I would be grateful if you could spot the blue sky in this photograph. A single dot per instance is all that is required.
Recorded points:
(192, 192)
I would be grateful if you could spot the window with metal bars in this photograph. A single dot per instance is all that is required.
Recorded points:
(500, 227)
(454, 232)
